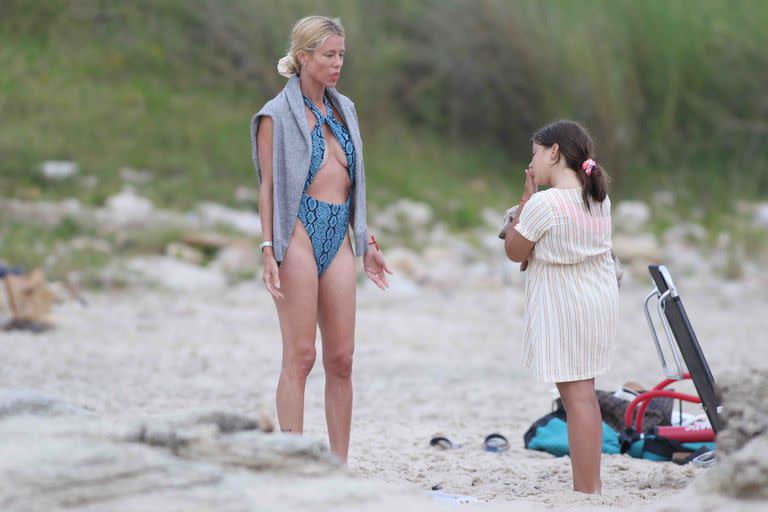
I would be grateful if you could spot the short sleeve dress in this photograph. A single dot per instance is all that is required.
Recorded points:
(571, 293)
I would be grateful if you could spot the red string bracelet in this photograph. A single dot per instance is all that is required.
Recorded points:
(373, 243)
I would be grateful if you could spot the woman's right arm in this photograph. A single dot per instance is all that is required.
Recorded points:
(271, 276)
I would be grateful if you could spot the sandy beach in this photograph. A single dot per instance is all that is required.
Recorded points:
(426, 361)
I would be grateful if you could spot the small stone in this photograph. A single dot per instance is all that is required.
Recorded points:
(59, 170)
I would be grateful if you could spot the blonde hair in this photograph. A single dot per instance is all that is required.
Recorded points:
(307, 35)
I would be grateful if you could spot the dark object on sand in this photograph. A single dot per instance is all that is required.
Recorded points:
(16, 324)
(614, 409)
(495, 443)
(440, 441)
(10, 271)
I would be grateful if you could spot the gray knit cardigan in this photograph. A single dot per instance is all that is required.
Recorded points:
(291, 153)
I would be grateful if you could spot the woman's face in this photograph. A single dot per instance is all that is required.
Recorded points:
(542, 163)
(324, 64)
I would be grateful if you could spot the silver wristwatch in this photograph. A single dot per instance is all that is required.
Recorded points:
(266, 243)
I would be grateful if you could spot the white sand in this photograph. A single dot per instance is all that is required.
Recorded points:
(426, 363)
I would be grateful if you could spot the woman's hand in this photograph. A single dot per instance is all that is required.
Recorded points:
(271, 276)
(376, 267)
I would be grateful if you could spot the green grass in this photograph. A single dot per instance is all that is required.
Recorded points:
(32, 245)
(448, 93)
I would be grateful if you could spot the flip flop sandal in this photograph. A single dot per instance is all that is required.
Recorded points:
(496, 443)
(442, 442)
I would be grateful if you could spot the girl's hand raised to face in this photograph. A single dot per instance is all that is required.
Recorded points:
(530, 185)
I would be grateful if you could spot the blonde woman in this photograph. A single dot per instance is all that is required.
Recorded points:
(309, 160)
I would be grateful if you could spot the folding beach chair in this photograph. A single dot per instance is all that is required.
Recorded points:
(680, 341)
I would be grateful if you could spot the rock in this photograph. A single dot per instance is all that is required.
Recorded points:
(184, 252)
(169, 220)
(477, 270)
(744, 474)
(71, 463)
(630, 217)
(123, 211)
(178, 429)
(14, 402)
(761, 215)
(135, 177)
(245, 222)
(686, 260)
(173, 274)
(89, 244)
(89, 182)
(730, 262)
(207, 241)
(399, 285)
(442, 268)
(685, 232)
(40, 212)
(511, 275)
(405, 262)
(263, 452)
(663, 199)
(404, 216)
(642, 248)
(246, 195)
(745, 409)
(238, 259)
(129, 209)
(742, 471)
(492, 218)
(417, 214)
(82, 462)
(492, 245)
(460, 249)
(58, 170)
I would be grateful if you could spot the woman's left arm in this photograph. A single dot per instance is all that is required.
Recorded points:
(374, 264)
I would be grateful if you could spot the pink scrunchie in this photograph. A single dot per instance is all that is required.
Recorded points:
(588, 165)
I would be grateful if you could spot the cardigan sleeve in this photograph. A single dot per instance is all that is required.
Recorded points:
(266, 111)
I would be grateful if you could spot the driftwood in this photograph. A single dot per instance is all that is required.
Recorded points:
(29, 299)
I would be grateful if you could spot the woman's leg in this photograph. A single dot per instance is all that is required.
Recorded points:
(298, 325)
(336, 316)
(585, 433)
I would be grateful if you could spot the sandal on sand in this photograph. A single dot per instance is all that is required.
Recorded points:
(700, 457)
(495, 443)
(440, 441)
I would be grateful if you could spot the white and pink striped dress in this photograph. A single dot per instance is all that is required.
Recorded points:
(571, 294)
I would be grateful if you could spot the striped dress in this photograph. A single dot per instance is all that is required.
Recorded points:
(571, 294)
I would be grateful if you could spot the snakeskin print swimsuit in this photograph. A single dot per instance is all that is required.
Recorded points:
(326, 223)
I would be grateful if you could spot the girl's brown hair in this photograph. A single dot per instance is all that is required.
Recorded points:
(576, 147)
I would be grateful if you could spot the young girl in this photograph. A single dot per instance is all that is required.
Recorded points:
(571, 293)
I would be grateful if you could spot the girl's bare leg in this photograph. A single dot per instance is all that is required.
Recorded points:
(585, 433)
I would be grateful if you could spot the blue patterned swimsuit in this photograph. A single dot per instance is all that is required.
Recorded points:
(326, 223)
